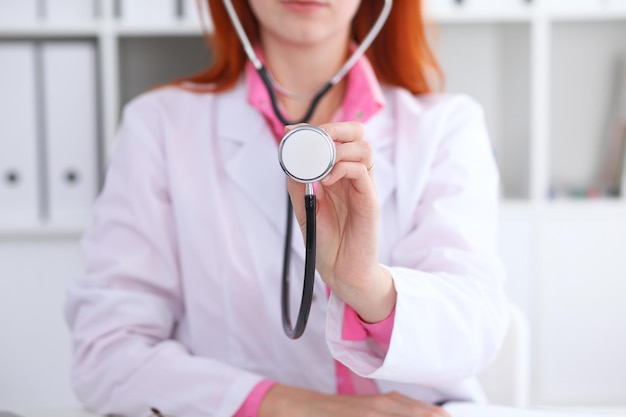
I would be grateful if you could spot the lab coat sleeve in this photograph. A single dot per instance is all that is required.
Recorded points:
(124, 310)
(451, 312)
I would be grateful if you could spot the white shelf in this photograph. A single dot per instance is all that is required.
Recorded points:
(180, 28)
(39, 30)
(40, 232)
(594, 15)
(530, 14)
(591, 207)
(464, 16)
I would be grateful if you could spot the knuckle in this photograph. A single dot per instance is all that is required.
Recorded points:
(379, 401)
(395, 395)
(386, 401)
(359, 129)
(416, 410)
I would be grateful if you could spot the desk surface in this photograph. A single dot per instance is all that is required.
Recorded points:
(76, 412)
(50, 412)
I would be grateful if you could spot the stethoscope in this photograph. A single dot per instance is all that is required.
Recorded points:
(306, 154)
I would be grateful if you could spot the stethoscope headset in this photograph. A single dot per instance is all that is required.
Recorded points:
(306, 154)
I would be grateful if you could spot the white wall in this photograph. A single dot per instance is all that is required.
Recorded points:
(35, 347)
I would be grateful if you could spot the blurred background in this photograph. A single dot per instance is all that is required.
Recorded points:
(551, 75)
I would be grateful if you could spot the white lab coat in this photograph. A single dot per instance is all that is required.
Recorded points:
(179, 307)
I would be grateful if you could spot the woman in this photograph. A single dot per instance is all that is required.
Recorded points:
(179, 306)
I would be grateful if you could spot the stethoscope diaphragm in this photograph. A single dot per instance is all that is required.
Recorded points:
(307, 153)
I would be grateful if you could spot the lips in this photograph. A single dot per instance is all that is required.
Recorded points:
(304, 6)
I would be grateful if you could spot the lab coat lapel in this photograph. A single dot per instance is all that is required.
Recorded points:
(378, 132)
(384, 176)
(252, 159)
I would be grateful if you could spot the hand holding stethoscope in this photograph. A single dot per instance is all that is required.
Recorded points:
(347, 225)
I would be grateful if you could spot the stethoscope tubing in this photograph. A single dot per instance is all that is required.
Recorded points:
(295, 331)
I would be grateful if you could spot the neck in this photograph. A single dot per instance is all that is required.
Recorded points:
(303, 71)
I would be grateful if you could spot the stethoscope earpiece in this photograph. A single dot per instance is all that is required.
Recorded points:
(307, 154)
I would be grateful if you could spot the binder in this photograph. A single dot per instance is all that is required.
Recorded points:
(70, 130)
(18, 11)
(148, 11)
(69, 10)
(19, 174)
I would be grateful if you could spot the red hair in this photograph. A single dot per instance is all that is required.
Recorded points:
(400, 55)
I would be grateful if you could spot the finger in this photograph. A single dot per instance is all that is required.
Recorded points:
(345, 131)
(289, 128)
(419, 405)
(418, 410)
(354, 171)
(392, 406)
(360, 151)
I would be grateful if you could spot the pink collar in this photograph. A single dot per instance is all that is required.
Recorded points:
(363, 97)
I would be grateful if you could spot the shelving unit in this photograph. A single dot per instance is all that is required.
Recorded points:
(542, 71)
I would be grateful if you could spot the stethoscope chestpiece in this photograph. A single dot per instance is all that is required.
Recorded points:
(307, 153)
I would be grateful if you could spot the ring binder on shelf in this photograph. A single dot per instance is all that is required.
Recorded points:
(69, 10)
(19, 175)
(148, 11)
(21, 11)
(70, 130)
